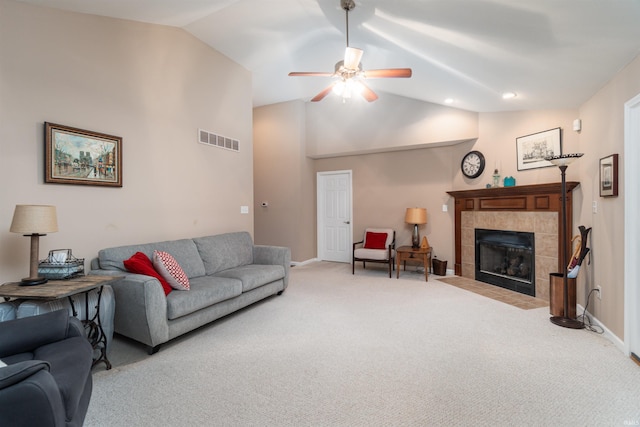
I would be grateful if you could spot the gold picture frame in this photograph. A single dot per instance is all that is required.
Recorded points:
(82, 157)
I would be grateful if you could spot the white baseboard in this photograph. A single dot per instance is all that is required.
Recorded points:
(301, 263)
(607, 333)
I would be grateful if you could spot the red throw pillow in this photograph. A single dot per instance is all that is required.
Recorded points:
(140, 263)
(375, 240)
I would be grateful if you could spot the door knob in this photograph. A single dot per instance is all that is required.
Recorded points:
(347, 222)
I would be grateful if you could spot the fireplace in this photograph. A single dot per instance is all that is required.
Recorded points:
(506, 259)
(523, 208)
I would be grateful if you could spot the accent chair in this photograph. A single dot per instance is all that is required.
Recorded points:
(378, 245)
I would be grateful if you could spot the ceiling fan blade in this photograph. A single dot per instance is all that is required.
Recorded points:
(389, 72)
(310, 73)
(325, 92)
(352, 56)
(367, 93)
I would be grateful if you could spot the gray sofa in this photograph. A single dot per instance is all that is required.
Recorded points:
(226, 273)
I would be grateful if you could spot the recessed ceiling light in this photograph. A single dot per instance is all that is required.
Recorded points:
(509, 95)
(448, 101)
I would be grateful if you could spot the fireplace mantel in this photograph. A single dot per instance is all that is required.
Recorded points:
(523, 198)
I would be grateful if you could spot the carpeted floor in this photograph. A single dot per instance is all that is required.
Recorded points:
(338, 349)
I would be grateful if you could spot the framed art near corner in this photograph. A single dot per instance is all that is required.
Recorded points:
(77, 156)
(609, 176)
(532, 149)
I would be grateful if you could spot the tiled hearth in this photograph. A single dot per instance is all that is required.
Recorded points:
(544, 225)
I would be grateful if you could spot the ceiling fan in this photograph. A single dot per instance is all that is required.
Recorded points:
(349, 73)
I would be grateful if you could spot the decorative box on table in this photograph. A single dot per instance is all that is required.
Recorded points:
(61, 264)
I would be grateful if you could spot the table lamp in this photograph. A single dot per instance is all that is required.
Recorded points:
(34, 221)
(415, 216)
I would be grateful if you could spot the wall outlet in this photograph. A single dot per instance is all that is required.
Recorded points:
(599, 292)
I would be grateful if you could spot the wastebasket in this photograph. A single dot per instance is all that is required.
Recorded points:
(440, 267)
(556, 296)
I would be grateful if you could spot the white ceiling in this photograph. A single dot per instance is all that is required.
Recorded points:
(552, 53)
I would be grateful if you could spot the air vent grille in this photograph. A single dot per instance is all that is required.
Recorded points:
(215, 140)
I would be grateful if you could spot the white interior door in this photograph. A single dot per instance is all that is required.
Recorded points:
(631, 227)
(334, 216)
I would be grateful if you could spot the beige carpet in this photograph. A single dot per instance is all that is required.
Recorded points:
(338, 349)
(497, 293)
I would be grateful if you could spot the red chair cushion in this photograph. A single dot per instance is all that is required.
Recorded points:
(375, 240)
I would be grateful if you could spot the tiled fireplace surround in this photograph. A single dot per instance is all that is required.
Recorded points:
(532, 208)
(544, 226)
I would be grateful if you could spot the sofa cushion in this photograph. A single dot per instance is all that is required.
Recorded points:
(139, 263)
(205, 291)
(225, 251)
(254, 275)
(170, 270)
(183, 250)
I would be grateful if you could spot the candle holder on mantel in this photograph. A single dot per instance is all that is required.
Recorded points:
(496, 179)
(562, 161)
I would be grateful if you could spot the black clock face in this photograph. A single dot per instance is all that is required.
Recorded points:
(472, 164)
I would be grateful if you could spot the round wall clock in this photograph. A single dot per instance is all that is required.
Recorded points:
(472, 164)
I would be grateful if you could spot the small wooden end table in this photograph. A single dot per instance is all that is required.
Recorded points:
(57, 289)
(421, 255)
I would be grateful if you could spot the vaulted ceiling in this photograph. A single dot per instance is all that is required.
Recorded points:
(551, 53)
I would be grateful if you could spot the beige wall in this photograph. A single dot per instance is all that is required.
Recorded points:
(603, 134)
(152, 85)
(390, 123)
(285, 179)
(386, 184)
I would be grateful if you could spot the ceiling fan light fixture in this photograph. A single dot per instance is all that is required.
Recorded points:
(352, 56)
(348, 71)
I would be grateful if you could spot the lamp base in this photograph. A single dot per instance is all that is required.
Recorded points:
(415, 238)
(566, 322)
(32, 281)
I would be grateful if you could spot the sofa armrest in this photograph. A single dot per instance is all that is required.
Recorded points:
(28, 333)
(34, 400)
(17, 372)
(273, 255)
(141, 309)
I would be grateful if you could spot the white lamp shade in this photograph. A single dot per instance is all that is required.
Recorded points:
(34, 219)
(416, 216)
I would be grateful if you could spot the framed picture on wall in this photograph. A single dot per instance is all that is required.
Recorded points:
(609, 176)
(78, 156)
(532, 149)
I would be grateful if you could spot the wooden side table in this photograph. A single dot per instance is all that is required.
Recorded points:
(56, 289)
(422, 255)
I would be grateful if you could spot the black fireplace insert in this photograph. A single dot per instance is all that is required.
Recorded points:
(506, 259)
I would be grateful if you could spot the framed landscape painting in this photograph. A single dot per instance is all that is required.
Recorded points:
(78, 156)
(532, 149)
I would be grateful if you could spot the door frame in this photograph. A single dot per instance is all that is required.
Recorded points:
(631, 226)
(320, 208)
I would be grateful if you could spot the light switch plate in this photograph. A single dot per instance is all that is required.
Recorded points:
(244, 209)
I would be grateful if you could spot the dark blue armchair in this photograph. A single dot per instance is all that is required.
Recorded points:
(47, 380)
